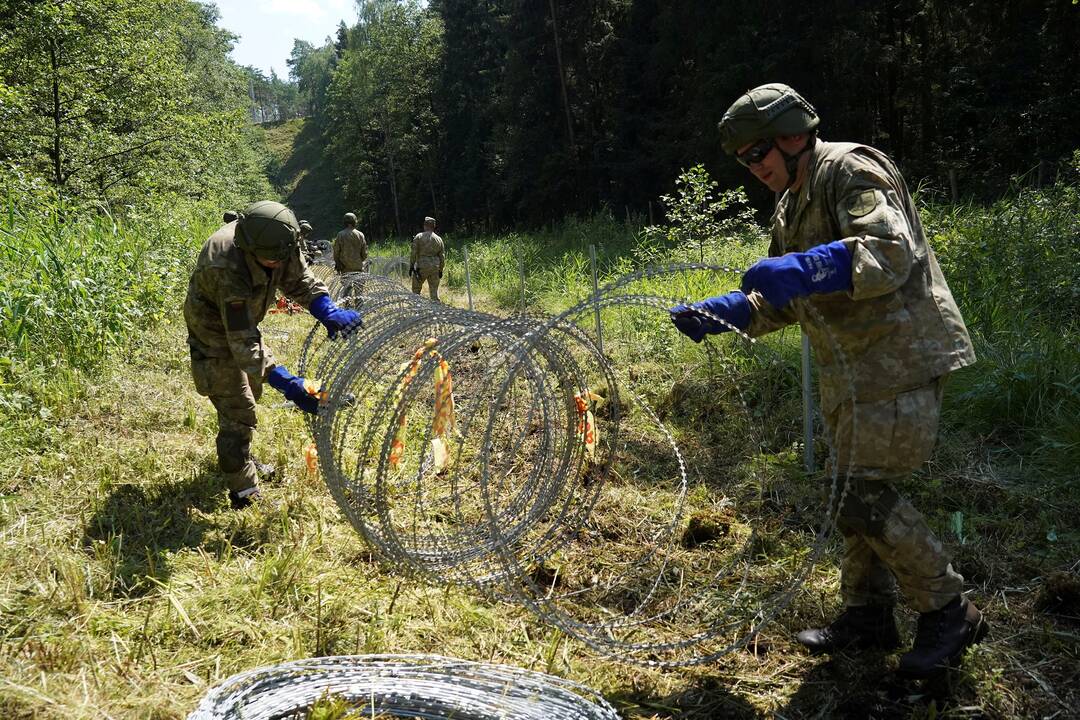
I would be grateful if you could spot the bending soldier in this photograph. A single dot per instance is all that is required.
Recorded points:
(427, 259)
(847, 241)
(240, 267)
(350, 248)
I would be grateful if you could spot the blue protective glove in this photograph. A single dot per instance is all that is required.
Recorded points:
(337, 320)
(733, 308)
(292, 388)
(821, 269)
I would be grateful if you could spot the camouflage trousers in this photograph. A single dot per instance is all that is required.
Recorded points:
(233, 396)
(886, 540)
(431, 275)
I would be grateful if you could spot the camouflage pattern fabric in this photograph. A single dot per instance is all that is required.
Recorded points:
(350, 251)
(899, 327)
(885, 538)
(901, 333)
(427, 251)
(428, 256)
(430, 275)
(230, 293)
(234, 399)
(228, 296)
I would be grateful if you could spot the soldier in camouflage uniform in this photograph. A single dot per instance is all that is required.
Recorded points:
(239, 270)
(350, 248)
(427, 259)
(847, 241)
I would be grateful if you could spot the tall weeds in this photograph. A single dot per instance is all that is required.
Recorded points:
(77, 286)
(1014, 268)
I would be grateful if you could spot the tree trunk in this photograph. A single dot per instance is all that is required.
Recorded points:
(562, 75)
(393, 174)
(57, 117)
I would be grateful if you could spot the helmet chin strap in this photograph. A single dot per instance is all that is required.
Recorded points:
(791, 162)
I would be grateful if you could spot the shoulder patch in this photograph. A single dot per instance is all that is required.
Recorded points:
(863, 203)
(236, 315)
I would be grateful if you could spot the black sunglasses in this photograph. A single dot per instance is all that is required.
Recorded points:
(756, 152)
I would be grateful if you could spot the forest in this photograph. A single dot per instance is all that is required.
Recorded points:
(538, 134)
(503, 112)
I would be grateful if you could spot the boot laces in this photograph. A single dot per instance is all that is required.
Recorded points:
(929, 629)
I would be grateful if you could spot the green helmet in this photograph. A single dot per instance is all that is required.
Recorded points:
(767, 111)
(350, 219)
(268, 230)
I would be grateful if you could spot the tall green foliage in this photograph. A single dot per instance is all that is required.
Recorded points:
(124, 131)
(312, 69)
(384, 131)
(110, 99)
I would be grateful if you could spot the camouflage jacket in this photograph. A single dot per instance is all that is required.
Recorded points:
(350, 251)
(898, 327)
(228, 296)
(427, 251)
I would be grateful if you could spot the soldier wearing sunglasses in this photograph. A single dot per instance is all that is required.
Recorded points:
(847, 241)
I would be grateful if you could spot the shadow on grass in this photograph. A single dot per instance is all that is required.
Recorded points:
(137, 528)
(704, 697)
(863, 685)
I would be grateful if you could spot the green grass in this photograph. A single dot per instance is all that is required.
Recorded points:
(127, 586)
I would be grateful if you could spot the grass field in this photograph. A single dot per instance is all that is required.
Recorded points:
(127, 586)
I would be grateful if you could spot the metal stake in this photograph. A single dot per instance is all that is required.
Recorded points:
(468, 278)
(596, 305)
(808, 407)
(521, 270)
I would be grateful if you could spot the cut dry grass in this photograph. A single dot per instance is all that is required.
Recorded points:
(127, 586)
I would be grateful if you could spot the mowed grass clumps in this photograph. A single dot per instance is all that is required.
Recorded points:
(127, 586)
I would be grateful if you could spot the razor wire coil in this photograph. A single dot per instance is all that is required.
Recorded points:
(520, 488)
(400, 686)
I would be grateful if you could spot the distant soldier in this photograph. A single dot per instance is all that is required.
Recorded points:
(233, 285)
(847, 242)
(350, 248)
(427, 259)
(309, 248)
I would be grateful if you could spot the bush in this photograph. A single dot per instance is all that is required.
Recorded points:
(1014, 268)
(76, 284)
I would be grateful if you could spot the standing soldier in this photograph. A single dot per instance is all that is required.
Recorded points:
(350, 248)
(309, 248)
(847, 241)
(238, 272)
(427, 259)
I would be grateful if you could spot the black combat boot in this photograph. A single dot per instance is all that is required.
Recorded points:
(244, 498)
(942, 637)
(864, 626)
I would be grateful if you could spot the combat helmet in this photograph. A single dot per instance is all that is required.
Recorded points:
(767, 111)
(350, 218)
(268, 230)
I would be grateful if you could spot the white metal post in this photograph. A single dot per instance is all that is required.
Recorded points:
(596, 304)
(808, 407)
(468, 278)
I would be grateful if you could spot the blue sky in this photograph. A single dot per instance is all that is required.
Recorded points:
(267, 28)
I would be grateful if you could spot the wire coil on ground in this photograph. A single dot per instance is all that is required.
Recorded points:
(520, 506)
(401, 686)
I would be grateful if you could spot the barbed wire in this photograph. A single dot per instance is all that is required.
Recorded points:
(505, 495)
(400, 686)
